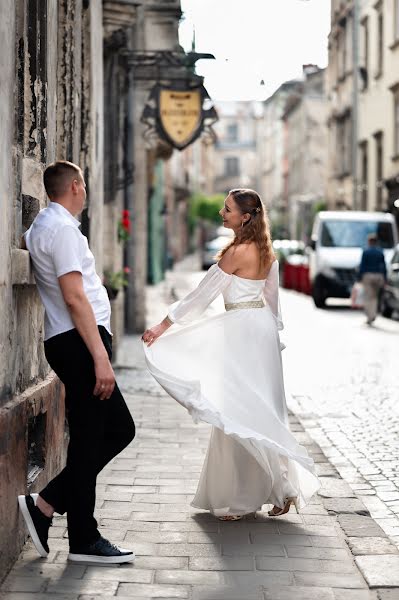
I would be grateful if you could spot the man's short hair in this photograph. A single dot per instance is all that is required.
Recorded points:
(58, 175)
(372, 238)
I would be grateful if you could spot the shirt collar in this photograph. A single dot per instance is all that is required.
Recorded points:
(63, 211)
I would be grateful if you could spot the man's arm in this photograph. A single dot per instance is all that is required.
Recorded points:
(361, 267)
(84, 320)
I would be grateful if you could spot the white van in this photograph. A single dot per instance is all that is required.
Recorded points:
(338, 239)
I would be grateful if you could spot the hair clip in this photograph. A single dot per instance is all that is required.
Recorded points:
(257, 209)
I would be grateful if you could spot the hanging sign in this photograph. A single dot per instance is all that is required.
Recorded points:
(178, 115)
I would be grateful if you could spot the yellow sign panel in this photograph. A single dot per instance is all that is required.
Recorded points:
(180, 114)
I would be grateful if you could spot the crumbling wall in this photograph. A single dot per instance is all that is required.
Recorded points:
(45, 113)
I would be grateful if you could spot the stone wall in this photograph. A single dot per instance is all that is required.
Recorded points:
(50, 108)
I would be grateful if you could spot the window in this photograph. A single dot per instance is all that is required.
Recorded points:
(341, 42)
(353, 234)
(231, 166)
(232, 132)
(365, 68)
(396, 121)
(380, 41)
(32, 81)
(364, 175)
(379, 169)
(344, 140)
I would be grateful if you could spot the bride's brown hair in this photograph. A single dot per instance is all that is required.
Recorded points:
(256, 229)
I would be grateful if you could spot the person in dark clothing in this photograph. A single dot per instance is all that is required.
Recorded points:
(372, 274)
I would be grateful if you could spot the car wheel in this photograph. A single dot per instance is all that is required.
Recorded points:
(319, 297)
(385, 309)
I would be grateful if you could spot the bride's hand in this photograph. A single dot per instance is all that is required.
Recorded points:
(152, 334)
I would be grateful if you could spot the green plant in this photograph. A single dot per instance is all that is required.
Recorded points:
(116, 280)
(205, 207)
(318, 206)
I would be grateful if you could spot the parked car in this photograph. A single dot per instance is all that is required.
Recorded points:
(211, 249)
(338, 239)
(390, 295)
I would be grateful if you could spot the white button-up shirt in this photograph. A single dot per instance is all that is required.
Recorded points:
(57, 247)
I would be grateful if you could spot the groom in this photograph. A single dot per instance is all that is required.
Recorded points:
(78, 346)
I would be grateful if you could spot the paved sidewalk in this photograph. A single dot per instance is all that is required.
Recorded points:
(332, 551)
(143, 502)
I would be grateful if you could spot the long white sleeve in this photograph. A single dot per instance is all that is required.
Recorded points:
(271, 293)
(194, 304)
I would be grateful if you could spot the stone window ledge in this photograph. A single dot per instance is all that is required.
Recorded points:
(21, 268)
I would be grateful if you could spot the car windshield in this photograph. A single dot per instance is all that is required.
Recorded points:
(353, 234)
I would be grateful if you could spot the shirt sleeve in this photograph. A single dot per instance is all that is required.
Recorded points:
(194, 304)
(67, 251)
(271, 293)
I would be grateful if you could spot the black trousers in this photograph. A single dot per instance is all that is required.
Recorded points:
(98, 431)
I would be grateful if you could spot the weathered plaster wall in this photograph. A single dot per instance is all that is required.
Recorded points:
(7, 78)
(96, 146)
(50, 108)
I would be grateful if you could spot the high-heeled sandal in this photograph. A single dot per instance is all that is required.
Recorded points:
(283, 511)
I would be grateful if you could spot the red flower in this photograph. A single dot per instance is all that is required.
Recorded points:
(126, 269)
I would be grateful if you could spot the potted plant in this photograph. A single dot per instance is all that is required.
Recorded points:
(115, 281)
(124, 227)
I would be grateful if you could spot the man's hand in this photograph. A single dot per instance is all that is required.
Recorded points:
(150, 335)
(105, 378)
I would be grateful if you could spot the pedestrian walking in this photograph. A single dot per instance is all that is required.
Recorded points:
(78, 346)
(372, 274)
(227, 371)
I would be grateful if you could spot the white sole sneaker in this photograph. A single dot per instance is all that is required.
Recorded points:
(31, 527)
(92, 559)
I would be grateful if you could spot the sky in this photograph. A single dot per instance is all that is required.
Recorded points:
(254, 40)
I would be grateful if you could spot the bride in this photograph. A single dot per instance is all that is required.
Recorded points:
(226, 370)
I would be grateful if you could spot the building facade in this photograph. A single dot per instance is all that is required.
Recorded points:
(273, 168)
(340, 184)
(235, 149)
(305, 151)
(378, 132)
(363, 166)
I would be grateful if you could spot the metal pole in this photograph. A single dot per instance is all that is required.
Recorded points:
(355, 100)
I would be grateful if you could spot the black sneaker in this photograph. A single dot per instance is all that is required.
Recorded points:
(38, 524)
(101, 552)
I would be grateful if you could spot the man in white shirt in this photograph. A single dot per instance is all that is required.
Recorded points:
(78, 346)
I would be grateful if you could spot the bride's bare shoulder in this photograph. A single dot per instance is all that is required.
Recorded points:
(231, 259)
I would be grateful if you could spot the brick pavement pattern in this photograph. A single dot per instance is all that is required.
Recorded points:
(143, 501)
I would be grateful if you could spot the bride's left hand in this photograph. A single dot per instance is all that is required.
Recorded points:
(150, 335)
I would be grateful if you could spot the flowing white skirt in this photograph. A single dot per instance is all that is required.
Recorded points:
(227, 371)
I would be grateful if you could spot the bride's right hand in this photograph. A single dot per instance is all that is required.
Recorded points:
(152, 334)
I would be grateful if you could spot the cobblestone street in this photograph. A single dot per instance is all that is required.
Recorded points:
(333, 550)
(343, 379)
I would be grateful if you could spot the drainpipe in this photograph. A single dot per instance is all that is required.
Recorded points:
(355, 101)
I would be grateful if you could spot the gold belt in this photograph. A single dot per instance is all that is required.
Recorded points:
(250, 304)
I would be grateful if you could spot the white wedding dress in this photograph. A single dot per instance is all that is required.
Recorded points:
(226, 370)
